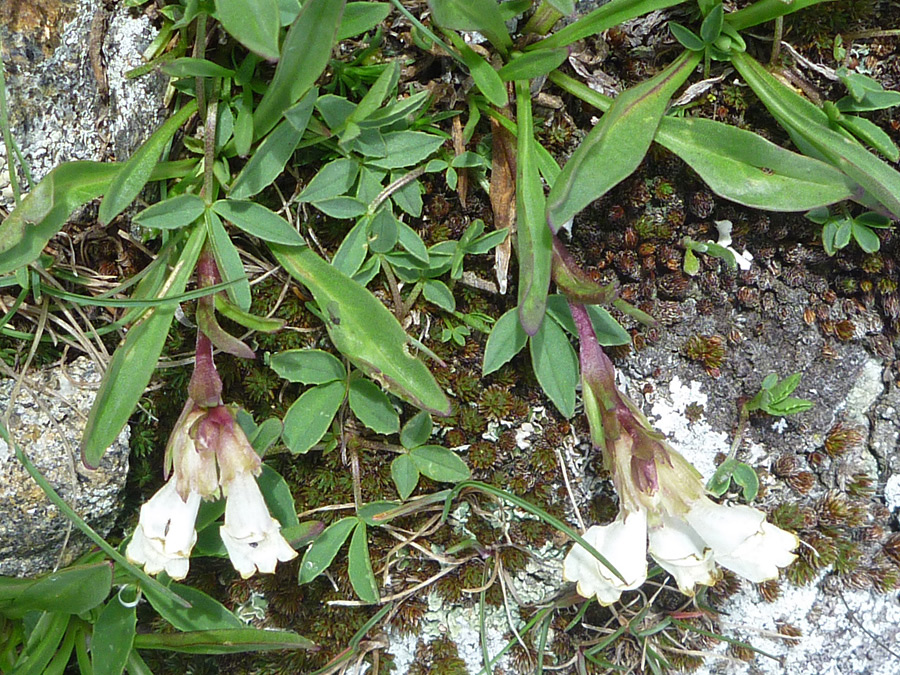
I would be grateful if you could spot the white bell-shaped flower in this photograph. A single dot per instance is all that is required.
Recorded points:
(251, 535)
(624, 544)
(165, 533)
(683, 553)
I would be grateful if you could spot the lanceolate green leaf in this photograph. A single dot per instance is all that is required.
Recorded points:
(231, 268)
(373, 407)
(267, 163)
(73, 590)
(172, 213)
(259, 221)
(555, 365)
(133, 363)
(364, 330)
(225, 641)
(309, 417)
(505, 341)
(533, 64)
(309, 366)
(43, 212)
(137, 170)
(482, 72)
(323, 550)
(615, 147)
(112, 637)
(481, 15)
(360, 17)
(359, 566)
(254, 23)
(808, 126)
(607, 16)
(405, 475)
(746, 168)
(304, 55)
(535, 248)
(767, 10)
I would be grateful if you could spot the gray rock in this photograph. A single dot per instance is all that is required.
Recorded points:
(47, 420)
(68, 96)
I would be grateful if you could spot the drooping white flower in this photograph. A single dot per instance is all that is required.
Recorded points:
(661, 498)
(251, 535)
(165, 533)
(624, 543)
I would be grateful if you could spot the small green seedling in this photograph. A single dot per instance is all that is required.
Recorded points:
(839, 228)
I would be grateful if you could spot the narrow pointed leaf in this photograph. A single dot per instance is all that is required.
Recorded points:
(309, 366)
(615, 147)
(405, 475)
(43, 211)
(304, 55)
(326, 546)
(364, 330)
(137, 170)
(259, 221)
(505, 341)
(112, 638)
(134, 361)
(360, 17)
(416, 431)
(481, 15)
(482, 72)
(228, 260)
(535, 248)
(359, 566)
(205, 612)
(872, 135)
(533, 64)
(225, 641)
(172, 213)
(254, 23)
(555, 365)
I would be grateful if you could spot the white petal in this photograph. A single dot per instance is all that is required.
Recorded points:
(682, 553)
(165, 534)
(624, 544)
(742, 540)
(252, 536)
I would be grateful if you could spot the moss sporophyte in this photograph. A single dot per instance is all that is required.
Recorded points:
(662, 500)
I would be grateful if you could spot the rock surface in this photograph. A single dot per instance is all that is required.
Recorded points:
(67, 93)
(47, 420)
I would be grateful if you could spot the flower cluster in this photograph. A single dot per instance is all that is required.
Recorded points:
(208, 453)
(662, 500)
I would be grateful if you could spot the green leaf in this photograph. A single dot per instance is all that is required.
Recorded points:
(416, 431)
(373, 408)
(112, 637)
(259, 221)
(172, 213)
(364, 330)
(359, 566)
(383, 232)
(409, 197)
(228, 260)
(267, 162)
(868, 241)
(134, 361)
(746, 168)
(205, 612)
(767, 10)
(353, 250)
(555, 365)
(309, 417)
(135, 173)
(688, 38)
(746, 477)
(411, 242)
(405, 148)
(505, 341)
(304, 55)
(43, 641)
(405, 475)
(691, 264)
(309, 366)
(481, 15)
(376, 94)
(72, 590)
(188, 66)
(872, 135)
(245, 319)
(226, 641)
(535, 240)
(266, 435)
(788, 406)
(360, 17)
(298, 114)
(254, 23)
(486, 78)
(436, 292)
(278, 496)
(711, 27)
(769, 381)
(332, 180)
(326, 546)
(609, 331)
(44, 210)
(341, 207)
(808, 126)
(842, 233)
(533, 64)
(615, 147)
(440, 464)
(721, 479)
